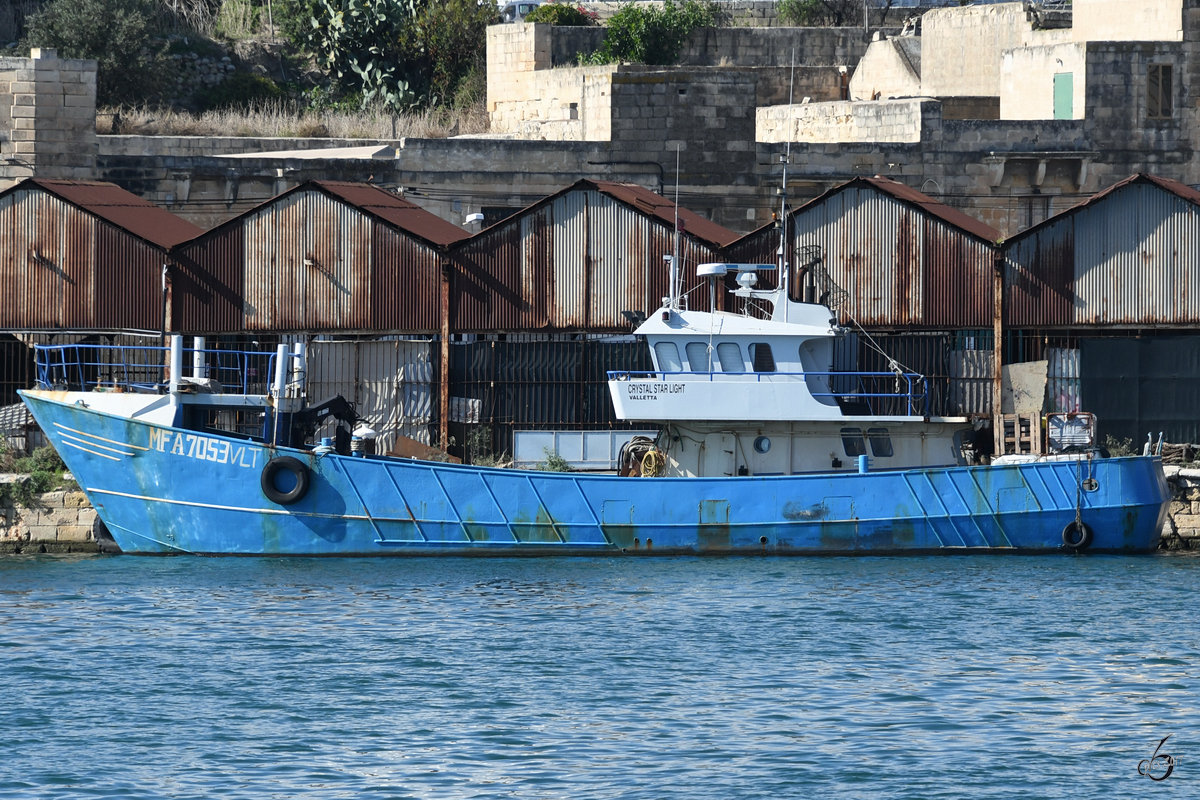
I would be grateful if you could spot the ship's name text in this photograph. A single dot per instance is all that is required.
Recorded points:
(652, 391)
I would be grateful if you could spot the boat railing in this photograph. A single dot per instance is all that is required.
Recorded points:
(145, 368)
(857, 393)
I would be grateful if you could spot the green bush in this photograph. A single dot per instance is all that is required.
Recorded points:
(44, 468)
(561, 14)
(125, 37)
(401, 54)
(554, 462)
(294, 19)
(652, 35)
(239, 90)
(801, 13)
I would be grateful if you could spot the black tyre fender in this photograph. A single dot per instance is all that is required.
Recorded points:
(1077, 536)
(285, 464)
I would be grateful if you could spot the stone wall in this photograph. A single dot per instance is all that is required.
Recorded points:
(569, 104)
(47, 117)
(885, 72)
(58, 522)
(1121, 20)
(962, 48)
(773, 47)
(1182, 531)
(877, 121)
(1117, 98)
(1027, 80)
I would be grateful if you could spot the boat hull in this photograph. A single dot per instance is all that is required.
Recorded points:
(162, 489)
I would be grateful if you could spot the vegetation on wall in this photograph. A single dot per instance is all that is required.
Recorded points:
(562, 14)
(45, 469)
(654, 35)
(834, 13)
(121, 35)
(403, 53)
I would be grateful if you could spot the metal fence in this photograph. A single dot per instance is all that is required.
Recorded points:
(499, 387)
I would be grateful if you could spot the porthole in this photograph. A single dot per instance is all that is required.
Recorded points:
(762, 444)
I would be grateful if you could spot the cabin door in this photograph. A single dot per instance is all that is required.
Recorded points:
(718, 455)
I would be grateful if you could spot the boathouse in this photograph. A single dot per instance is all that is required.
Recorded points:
(78, 258)
(1115, 282)
(356, 268)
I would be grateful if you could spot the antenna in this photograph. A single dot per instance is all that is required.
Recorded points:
(784, 269)
(676, 287)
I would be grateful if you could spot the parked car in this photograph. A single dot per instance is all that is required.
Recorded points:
(517, 11)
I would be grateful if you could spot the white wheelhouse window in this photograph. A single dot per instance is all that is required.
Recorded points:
(730, 356)
(762, 357)
(697, 356)
(667, 356)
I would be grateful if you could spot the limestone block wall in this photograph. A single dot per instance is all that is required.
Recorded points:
(569, 104)
(47, 117)
(59, 522)
(1117, 104)
(1028, 78)
(1182, 529)
(766, 47)
(209, 146)
(1127, 21)
(877, 121)
(530, 100)
(710, 122)
(884, 73)
(962, 48)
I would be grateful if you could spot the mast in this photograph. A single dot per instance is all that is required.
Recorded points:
(784, 276)
(676, 287)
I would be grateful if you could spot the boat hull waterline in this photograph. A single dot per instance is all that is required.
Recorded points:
(162, 490)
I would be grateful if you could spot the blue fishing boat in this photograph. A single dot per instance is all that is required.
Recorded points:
(764, 448)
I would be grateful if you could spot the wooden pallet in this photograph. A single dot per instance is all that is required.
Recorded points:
(1018, 433)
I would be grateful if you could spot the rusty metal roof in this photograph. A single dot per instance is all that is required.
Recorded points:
(123, 209)
(909, 195)
(392, 209)
(656, 205)
(1180, 190)
(647, 202)
(905, 194)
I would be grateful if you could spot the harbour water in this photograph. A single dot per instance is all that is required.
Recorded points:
(931, 677)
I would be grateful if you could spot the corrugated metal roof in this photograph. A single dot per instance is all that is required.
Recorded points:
(323, 256)
(388, 207)
(124, 209)
(904, 259)
(1130, 261)
(658, 206)
(395, 210)
(1181, 190)
(907, 194)
(645, 202)
(576, 261)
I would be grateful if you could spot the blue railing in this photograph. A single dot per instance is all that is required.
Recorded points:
(866, 393)
(84, 367)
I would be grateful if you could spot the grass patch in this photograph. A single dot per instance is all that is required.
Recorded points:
(284, 119)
